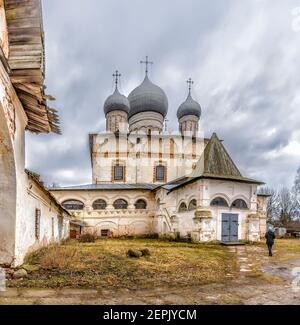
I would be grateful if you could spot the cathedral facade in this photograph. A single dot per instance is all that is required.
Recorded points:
(146, 181)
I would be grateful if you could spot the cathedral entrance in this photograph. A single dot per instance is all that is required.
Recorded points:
(230, 227)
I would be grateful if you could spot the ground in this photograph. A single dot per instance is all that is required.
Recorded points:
(175, 273)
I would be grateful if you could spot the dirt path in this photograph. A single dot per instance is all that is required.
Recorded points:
(260, 280)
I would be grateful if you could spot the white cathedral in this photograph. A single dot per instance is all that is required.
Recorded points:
(149, 182)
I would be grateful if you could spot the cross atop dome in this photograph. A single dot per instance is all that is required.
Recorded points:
(190, 83)
(117, 77)
(147, 63)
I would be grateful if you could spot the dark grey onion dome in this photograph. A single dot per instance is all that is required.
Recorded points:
(148, 97)
(189, 107)
(116, 102)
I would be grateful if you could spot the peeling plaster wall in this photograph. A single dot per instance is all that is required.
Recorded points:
(7, 192)
(204, 191)
(140, 155)
(50, 222)
(119, 222)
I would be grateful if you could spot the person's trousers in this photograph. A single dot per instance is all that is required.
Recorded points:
(270, 249)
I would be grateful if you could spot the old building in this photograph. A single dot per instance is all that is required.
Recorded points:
(146, 181)
(29, 214)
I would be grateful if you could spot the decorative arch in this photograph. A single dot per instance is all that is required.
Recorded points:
(192, 205)
(239, 204)
(73, 204)
(219, 201)
(139, 227)
(182, 207)
(120, 204)
(8, 192)
(140, 204)
(99, 204)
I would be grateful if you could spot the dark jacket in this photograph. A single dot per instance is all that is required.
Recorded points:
(270, 236)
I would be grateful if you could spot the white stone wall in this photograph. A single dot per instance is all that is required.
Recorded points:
(140, 154)
(204, 191)
(52, 217)
(119, 222)
(189, 125)
(117, 121)
(143, 122)
(162, 215)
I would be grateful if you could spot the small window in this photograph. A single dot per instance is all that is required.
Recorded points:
(37, 223)
(99, 205)
(120, 204)
(239, 204)
(193, 205)
(182, 207)
(140, 205)
(73, 205)
(160, 173)
(219, 201)
(138, 140)
(118, 173)
(52, 227)
(104, 232)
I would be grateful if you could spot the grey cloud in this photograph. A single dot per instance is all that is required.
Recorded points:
(243, 56)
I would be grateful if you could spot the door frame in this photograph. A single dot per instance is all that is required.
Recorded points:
(238, 225)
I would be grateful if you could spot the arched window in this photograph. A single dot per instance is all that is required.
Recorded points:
(73, 205)
(140, 205)
(239, 204)
(193, 205)
(99, 205)
(219, 202)
(120, 204)
(182, 207)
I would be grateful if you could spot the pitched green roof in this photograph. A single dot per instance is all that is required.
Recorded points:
(215, 160)
(214, 163)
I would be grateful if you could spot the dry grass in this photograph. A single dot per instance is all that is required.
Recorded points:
(105, 264)
(286, 249)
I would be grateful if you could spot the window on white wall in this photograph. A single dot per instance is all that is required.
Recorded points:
(52, 226)
(37, 224)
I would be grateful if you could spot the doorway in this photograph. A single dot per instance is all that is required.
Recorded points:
(230, 227)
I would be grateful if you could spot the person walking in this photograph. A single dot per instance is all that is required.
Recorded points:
(270, 236)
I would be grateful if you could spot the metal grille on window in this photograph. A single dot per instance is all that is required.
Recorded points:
(104, 232)
(160, 173)
(99, 205)
(119, 173)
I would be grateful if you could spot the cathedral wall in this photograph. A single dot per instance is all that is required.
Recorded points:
(204, 191)
(141, 154)
(143, 122)
(130, 221)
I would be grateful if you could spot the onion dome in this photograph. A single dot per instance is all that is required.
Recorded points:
(190, 106)
(116, 102)
(148, 97)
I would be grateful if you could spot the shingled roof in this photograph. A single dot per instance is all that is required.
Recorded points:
(214, 163)
(27, 63)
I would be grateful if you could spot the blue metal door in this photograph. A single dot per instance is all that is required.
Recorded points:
(230, 227)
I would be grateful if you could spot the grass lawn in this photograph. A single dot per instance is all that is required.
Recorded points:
(105, 264)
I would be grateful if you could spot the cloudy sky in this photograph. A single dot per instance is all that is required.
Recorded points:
(244, 57)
